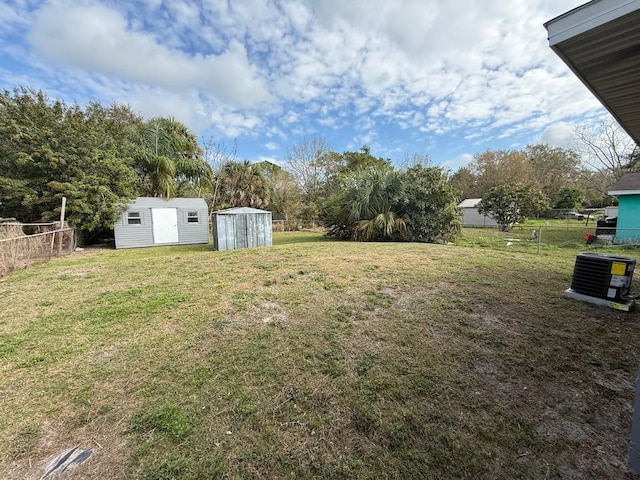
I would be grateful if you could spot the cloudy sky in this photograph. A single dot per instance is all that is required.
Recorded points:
(447, 78)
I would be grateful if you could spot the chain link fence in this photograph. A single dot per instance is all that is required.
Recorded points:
(544, 238)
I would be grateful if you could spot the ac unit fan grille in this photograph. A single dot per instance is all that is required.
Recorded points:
(592, 275)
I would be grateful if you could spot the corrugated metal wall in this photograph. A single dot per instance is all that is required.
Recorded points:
(241, 230)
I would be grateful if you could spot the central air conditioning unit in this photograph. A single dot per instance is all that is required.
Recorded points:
(603, 279)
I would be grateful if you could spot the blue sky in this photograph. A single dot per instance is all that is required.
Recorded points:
(445, 78)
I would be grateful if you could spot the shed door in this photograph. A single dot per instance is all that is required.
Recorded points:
(165, 225)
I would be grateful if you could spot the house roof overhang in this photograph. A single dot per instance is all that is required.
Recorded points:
(600, 42)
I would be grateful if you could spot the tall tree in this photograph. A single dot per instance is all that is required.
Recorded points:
(170, 159)
(606, 149)
(465, 182)
(241, 184)
(500, 167)
(429, 204)
(216, 154)
(49, 150)
(512, 203)
(316, 170)
(554, 169)
(285, 196)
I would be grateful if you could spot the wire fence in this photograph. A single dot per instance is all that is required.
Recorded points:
(20, 250)
(294, 225)
(541, 238)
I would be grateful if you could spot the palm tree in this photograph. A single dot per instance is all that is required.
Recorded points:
(367, 208)
(170, 158)
(241, 184)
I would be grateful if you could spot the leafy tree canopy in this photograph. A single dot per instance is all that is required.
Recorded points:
(512, 203)
(570, 198)
(241, 184)
(49, 150)
(379, 203)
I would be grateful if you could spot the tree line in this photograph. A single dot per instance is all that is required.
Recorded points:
(100, 157)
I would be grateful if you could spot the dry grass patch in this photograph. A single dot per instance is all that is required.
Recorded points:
(314, 359)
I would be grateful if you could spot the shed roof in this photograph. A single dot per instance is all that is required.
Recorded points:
(149, 202)
(629, 184)
(600, 42)
(239, 210)
(469, 203)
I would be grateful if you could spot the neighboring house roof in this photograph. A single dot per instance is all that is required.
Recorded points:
(238, 210)
(469, 203)
(599, 42)
(629, 184)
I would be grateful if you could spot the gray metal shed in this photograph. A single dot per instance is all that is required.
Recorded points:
(241, 227)
(152, 221)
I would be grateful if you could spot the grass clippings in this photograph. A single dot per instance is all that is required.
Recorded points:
(314, 359)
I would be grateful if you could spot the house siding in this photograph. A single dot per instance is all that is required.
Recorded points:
(628, 227)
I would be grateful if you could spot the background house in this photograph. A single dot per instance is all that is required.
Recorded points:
(627, 189)
(471, 217)
(151, 221)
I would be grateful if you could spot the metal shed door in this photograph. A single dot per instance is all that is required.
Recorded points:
(165, 225)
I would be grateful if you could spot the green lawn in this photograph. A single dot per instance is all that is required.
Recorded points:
(314, 359)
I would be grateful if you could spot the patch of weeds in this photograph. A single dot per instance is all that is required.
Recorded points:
(240, 300)
(169, 419)
(246, 407)
(8, 345)
(365, 364)
(341, 313)
(288, 278)
(364, 418)
(45, 303)
(266, 268)
(25, 441)
(104, 409)
(332, 285)
(169, 470)
(82, 419)
(332, 363)
(33, 361)
(396, 435)
(112, 307)
(376, 299)
(199, 376)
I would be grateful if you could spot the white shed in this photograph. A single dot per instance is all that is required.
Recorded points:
(241, 227)
(152, 221)
(471, 217)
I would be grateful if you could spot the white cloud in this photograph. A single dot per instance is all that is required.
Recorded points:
(458, 162)
(287, 68)
(101, 41)
(560, 134)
